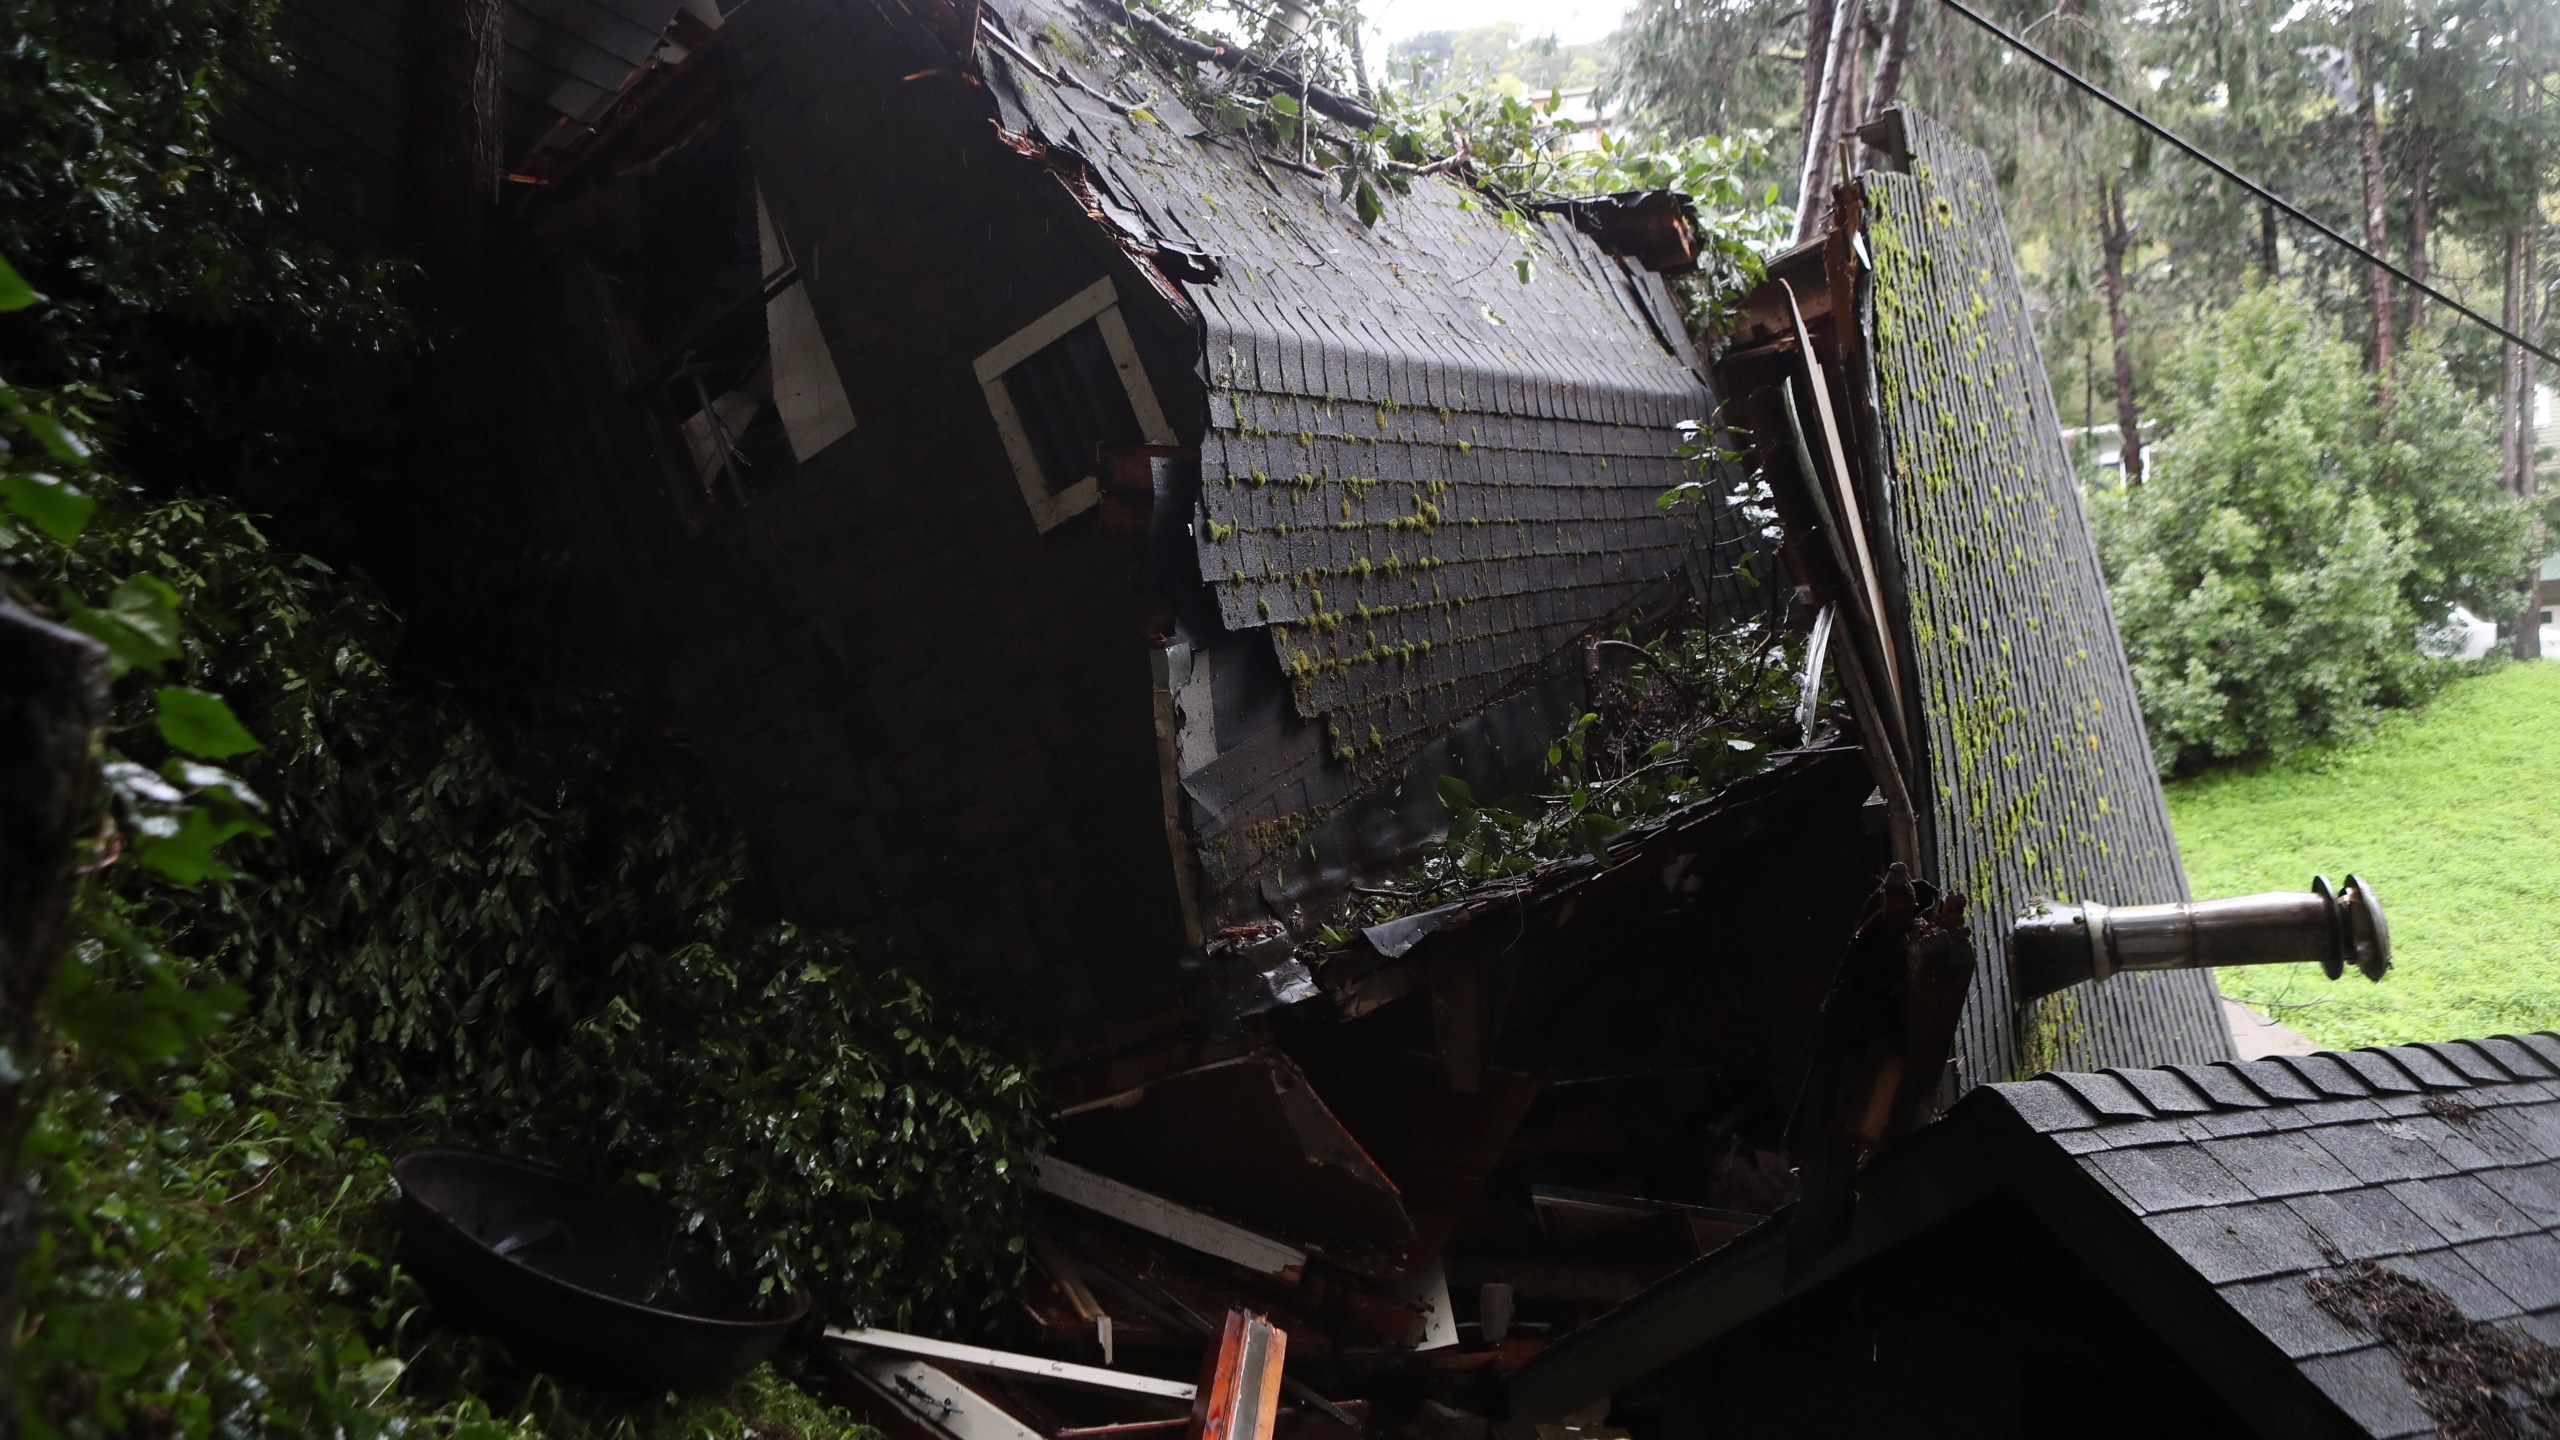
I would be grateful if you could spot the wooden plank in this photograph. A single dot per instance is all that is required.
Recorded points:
(1031, 1367)
(1158, 1216)
(938, 1402)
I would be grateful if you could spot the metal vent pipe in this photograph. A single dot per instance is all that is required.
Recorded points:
(2057, 946)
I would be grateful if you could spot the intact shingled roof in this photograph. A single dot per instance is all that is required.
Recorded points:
(2438, 1161)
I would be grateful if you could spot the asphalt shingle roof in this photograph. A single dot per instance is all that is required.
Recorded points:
(2439, 1161)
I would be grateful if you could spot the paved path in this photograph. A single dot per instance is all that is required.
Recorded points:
(2256, 1037)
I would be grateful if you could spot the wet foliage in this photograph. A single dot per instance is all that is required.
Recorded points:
(335, 904)
(1673, 720)
(2272, 576)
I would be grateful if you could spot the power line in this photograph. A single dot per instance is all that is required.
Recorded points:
(2244, 182)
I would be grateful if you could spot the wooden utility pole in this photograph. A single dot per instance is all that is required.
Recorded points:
(2528, 637)
(2369, 164)
(2422, 179)
(2523, 314)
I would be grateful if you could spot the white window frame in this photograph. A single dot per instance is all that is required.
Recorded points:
(1099, 303)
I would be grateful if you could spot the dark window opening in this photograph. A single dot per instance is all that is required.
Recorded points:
(1071, 402)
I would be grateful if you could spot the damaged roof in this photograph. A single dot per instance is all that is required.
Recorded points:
(2226, 1200)
(1420, 476)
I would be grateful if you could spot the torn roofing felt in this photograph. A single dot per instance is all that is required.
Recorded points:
(567, 59)
(1419, 475)
(2235, 1204)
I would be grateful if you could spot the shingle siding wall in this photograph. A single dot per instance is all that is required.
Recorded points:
(2038, 776)
(337, 121)
(936, 720)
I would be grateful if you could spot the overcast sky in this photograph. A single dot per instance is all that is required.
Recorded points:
(1571, 21)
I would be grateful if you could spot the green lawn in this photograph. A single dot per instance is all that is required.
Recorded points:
(2451, 812)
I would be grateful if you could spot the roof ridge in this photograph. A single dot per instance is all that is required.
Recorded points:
(2116, 1095)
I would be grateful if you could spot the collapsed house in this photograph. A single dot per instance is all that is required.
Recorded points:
(1077, 546)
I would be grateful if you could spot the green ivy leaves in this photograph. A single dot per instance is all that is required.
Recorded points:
(200, 724)
(15, 292)
(49, 503)
(138, 624)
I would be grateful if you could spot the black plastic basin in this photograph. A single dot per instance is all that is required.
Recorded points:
(579, 1281)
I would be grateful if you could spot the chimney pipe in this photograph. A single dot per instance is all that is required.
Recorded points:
(2058, 946)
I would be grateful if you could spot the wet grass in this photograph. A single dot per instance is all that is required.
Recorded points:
(2452, 812)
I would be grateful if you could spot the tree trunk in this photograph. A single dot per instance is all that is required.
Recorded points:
(1831, 92)
(1359, 62)
(2376, 237)
(2511, 363)
(1890, 56)
(1817, 50)
(2422, 179)
(2529, 623)
(2267, 241)
(2112, 239)
(50, 714)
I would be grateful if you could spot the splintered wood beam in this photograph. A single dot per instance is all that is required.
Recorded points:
(1240, 1395)
(1158, 1216)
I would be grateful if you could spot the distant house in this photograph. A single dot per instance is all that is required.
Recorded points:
(1580, 106)
(2102, 447)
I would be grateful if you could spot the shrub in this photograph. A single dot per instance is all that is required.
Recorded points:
(513, 922)
(2271, 578)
